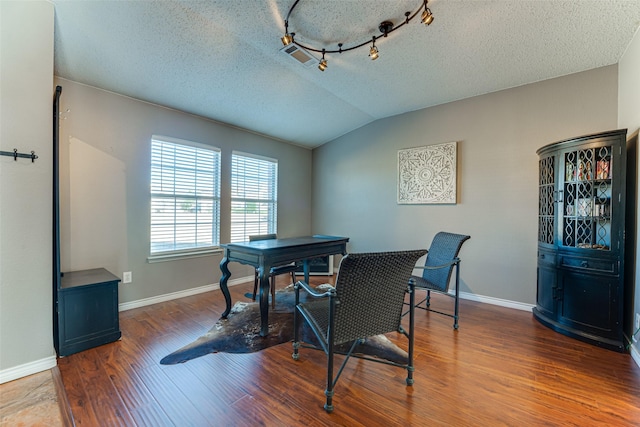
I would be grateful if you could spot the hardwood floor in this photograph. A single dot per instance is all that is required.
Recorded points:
(501, 368)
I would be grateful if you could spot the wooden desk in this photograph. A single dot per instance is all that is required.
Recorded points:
(264, 254)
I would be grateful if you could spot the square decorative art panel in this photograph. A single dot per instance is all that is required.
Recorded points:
(427, 175)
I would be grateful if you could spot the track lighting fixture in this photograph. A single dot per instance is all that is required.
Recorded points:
(427, 16)
(287, 39)
(386, 27)
(373, 52)
(323, 63)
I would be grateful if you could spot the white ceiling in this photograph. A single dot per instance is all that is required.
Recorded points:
(220, 59)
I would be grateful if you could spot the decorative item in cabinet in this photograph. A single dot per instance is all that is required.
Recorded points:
(602, 172)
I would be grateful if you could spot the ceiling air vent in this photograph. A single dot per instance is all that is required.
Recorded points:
(300, 55)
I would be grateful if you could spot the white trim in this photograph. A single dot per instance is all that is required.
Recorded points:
(635, 355)
(496, 301)
(27, 369)
(192, 253)
(179, 294)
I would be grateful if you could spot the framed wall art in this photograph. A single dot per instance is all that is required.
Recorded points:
(427, 175)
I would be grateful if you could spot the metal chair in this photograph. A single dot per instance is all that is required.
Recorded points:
(275, 271)
(441, 259)
(367, 301)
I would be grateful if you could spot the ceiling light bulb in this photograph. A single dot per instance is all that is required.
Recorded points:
(323, 65)
(373, 53)
(427, 17)
(286, 39)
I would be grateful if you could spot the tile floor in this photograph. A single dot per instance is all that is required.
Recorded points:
(30, 401)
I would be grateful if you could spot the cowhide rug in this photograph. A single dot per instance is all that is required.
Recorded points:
(240, 333)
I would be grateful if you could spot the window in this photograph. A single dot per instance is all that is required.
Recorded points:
(254, 196)
(185, 196)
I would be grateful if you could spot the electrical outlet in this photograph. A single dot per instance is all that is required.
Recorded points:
(637, 321)
(126, 277)
(635, 330)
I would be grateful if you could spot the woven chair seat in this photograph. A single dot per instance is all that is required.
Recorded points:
(422, 283)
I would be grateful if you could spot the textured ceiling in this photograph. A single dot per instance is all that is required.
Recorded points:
(221, 59)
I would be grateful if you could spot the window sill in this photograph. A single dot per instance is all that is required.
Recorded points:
(183, 255)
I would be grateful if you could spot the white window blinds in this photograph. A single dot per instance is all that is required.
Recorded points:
(254, 196)
(185, 195)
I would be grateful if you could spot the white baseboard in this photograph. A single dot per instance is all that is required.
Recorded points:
(496, 301)
(206, 288)
(180, 294)
(635, 355)
(27, 369)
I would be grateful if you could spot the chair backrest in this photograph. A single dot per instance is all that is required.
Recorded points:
(370, 290)
(444, 249)
(262, 237)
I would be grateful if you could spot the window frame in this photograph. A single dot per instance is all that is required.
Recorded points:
(270, 203)
(212, 184)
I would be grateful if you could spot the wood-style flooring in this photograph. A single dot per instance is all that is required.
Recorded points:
(501, 368)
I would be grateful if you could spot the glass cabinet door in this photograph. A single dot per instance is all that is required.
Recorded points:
(586, 208)
(546, 202)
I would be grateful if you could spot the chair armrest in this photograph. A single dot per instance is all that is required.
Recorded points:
(436, 267)
(302, 285)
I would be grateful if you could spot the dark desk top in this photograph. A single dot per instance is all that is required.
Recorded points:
(94, 276)
(288, 243)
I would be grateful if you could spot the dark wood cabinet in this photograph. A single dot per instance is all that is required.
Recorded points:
(581, 238)
(87, 310)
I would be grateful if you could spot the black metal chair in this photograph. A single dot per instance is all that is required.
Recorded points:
(441, 259)
(275, 271)
(367, 301)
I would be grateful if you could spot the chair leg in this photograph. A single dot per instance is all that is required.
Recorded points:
(296, 342)
(428, 300)
(412, 310)
(457, 297)
(455, 312)
(328, 406)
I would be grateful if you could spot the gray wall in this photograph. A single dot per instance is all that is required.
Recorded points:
(26, 70)
(629, 117)
(105, 152)
(354, 180)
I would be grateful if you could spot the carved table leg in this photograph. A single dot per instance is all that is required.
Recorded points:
(263, 273)
(223, 284)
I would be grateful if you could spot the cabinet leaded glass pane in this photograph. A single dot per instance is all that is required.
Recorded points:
(546, 205)
(587, 199)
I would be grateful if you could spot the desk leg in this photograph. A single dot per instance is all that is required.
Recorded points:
(264, 300)
(223, 284)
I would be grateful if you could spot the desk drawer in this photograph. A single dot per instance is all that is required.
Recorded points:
(590, 264)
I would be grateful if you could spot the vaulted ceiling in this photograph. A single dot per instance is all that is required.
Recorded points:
(222, 59)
